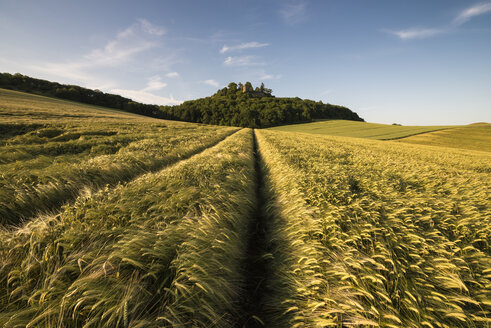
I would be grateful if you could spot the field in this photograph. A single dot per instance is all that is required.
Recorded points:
(355, 129)
(473, 137)
(115, 220)
(373, 233)
(50, 157)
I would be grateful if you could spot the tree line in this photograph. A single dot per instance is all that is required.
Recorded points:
(25, 83)
(235, 105)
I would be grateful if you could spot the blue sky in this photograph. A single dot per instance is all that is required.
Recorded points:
(410, 62)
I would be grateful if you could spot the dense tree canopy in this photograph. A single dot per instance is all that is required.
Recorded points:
(242, 105)
(236, 105)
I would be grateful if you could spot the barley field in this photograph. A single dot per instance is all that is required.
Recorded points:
(49, 158)
(473, 137)
(376, 234)
(109, 219)
(356, 129)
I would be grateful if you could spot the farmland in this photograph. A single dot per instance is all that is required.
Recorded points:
(472, 137)
(111, 219)
(50, 158)
(356, 129)
(377, 234)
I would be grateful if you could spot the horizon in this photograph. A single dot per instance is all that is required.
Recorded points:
(412, 63)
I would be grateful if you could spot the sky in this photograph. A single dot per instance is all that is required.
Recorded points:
(412, 62)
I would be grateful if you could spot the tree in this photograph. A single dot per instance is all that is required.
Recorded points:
(232, 87)
(248, 87)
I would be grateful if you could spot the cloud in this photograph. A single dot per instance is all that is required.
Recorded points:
(146, 97)
(213, 83)
(476, 10)
(270, 77)
(464, 16)
(151, 29)
(120, 52)
(172, 74)
(115, 53)
(132, 41)
(123, 48)
(74, 73)
(154, 83)
(294, 13)
(241, 61)
(242, 46)
(416, 33)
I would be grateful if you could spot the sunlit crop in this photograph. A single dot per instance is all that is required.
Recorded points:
(378, 234)
(113, 220)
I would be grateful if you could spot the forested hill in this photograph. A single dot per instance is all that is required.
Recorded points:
(242, 105)
(29, 84)
(235, 105)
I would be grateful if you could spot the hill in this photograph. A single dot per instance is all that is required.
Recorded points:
(355, 129)
(52, 149)
(27, 108)
(473, 137)
(237, 105)
(25, 83)
(242, 105)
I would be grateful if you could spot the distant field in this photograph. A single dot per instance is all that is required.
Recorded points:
(473, 137)
(355, 129)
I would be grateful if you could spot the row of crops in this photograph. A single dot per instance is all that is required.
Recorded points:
(376, 234)
(43, 166)
(162, 250)
(181, 225)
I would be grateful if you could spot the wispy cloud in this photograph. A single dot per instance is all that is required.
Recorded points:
(421, 32)
(270, 77)
(213, 83)
(242, 61)
(123, 49)
(128, 43)
(154, 83)
(416, 33)
(172, 74)
(146, 97)
(476, 10)
(115, 53)
(294, 13)
(73, 72)
(150, 28)
(242, 46)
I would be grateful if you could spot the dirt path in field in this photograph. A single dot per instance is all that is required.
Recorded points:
(70, 198)
(255, 266)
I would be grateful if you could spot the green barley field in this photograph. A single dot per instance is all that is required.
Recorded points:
(356, 129)
(473, 137)
(110, 219)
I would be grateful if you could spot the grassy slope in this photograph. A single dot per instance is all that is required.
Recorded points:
(52, 149)
(358, 129)
(473, 137)
(21, 107)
